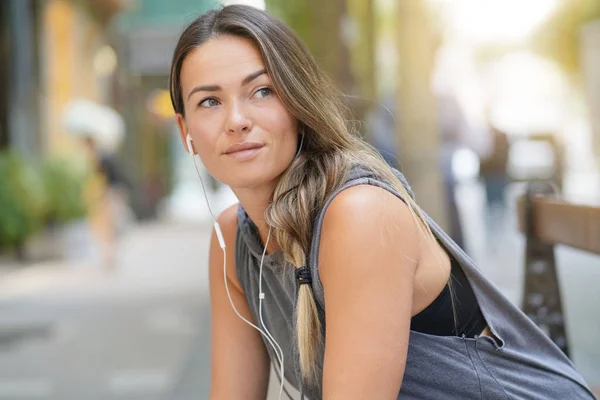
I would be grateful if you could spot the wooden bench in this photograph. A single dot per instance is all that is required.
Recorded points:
(546, 222)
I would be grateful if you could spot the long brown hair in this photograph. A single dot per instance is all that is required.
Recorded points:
(329, 150)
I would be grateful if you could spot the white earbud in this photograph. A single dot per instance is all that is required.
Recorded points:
(188, 141)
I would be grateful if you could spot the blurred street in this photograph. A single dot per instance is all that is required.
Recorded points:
(72, 332)
(142, 331)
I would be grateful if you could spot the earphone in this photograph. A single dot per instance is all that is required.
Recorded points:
(270, 339)
(190, 147)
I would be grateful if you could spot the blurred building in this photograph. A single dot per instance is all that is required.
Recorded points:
(113, 52)
(20, 80)
(590, 59)
(55, 51)
(145, 37)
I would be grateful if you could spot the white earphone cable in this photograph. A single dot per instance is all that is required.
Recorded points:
(272, 342)
(237, 312)
(203, 188)
(261, 297)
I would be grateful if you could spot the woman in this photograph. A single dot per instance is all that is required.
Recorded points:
(327, 252)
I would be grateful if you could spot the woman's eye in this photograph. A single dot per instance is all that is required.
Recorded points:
(263, 92)
(210, 102)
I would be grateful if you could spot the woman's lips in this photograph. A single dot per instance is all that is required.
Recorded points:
(243, 151)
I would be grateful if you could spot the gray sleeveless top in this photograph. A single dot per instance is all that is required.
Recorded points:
(523, 364)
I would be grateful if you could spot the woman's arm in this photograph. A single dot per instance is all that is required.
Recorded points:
(367, 261)
(239, 361)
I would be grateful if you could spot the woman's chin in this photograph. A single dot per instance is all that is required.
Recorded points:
(249, 179)
(259, 171)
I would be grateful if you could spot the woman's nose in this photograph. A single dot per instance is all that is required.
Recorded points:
(237, 119)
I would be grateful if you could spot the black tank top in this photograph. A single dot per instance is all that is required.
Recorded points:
(438, 318)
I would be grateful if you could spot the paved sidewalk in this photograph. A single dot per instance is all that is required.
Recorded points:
(153, 256)
(73, 331)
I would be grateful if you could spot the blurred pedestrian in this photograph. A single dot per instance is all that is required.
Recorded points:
(493, 169)
(110, 211)
(381, 123)
(101, 129)
(333, 272)
(452, 124)
(494, 174)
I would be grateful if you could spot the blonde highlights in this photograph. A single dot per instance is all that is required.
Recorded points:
(330, 150)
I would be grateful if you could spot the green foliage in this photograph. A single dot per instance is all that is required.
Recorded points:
(31, 196)
(22, 200)
(317, 23)
(64, 184)
(299, 15)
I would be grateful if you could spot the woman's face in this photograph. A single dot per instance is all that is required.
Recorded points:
(243, 133)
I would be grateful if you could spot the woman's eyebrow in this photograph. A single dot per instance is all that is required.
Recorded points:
(253, 76)
(207, 88)
(217, 88)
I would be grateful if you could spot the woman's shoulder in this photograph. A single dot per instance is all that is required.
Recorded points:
(364, 210)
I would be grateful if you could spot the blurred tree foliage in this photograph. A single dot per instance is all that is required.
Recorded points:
(559, 37)
(341, 36)
(320, 25)
(22, 200)
(363, 50)
(64, 186)
(32, 196)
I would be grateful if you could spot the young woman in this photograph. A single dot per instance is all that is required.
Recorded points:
(346, 282)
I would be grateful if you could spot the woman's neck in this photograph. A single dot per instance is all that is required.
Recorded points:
(255, 202)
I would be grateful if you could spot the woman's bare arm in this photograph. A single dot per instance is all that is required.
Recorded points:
(367, 262)
(239, 360)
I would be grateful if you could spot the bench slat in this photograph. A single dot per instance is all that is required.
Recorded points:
(563, 223)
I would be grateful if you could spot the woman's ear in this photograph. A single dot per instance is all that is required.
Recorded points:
(183, 130)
